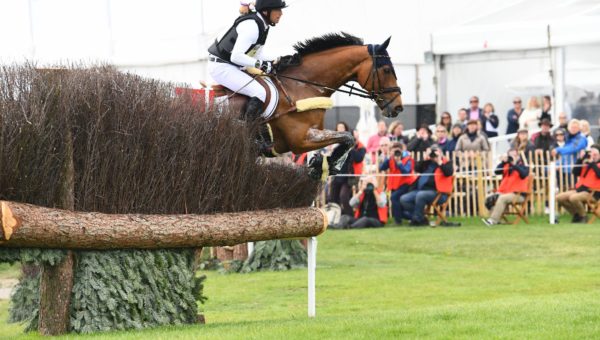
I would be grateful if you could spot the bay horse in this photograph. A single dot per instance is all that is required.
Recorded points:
(327, 64)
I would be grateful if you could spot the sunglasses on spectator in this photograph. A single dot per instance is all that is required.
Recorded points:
(441, 131)
(517, 102)
(474, 101)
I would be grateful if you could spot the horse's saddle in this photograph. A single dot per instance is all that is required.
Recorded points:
(219, 97)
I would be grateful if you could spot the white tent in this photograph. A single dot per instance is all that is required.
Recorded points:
(515, 49)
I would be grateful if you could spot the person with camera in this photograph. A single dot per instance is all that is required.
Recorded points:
(370, 206)
(402, 165)
(435, 175)
(422, 140)
(587, 169)
(512, 187)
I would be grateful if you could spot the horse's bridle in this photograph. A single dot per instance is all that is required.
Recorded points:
(376, 96)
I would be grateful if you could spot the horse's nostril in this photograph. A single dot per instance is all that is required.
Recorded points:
(399, 108)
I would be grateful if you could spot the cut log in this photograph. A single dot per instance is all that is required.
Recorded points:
(39, 227)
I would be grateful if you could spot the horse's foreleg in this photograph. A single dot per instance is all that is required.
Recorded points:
(317, 139)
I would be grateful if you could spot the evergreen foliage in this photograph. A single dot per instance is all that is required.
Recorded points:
(275, 255)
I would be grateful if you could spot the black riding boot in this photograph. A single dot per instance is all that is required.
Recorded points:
(250, 115)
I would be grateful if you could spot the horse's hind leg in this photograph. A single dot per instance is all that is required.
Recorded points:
(317, 139)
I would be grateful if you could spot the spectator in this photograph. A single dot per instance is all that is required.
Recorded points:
(384, 149)
(531, 116)
(514, 181)
(441, 138)
(587, 132)
(446, 120)
(472, 140)
(341, 191)
(588, 171)
(546, 108)
(457, 131)
(369, 205)
(422, 141)
(543, 140)
(373, 142)
(396, 132)
(490, 121)
(435, 175)
(475, 112)
(563, 121)
(401, 163)
(513, 116)
(522, 143)
(575, 142)
(463, 118)
(357, 154)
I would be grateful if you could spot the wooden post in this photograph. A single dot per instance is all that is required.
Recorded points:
(480, 188)
(56, 282)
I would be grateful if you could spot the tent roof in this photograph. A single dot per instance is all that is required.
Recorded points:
(523, 25)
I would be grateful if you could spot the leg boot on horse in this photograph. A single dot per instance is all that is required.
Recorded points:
(251, 115)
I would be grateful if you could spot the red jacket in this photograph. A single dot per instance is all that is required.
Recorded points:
(588, 179)
(443, 183)
(358, 167)
(395, 182)
(512, 182)
(382, 212)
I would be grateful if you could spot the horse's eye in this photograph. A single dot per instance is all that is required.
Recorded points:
(387, 70)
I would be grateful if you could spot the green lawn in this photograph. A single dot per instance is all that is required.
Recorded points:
(530, 281)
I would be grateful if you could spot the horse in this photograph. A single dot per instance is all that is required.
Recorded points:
(327, 64)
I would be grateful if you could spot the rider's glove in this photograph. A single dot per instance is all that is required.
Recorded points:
(265, 66)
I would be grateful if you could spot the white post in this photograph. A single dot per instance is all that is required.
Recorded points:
(312, 266)
(559, 82)
(250, 248)
(552, 192)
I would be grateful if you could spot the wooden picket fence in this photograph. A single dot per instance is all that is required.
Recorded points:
(475, 179)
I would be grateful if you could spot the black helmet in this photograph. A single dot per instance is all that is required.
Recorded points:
(262, 5)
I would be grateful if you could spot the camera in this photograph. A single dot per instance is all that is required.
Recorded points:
(433, 154)
(397, 153)
(370, 187)
(509, 159)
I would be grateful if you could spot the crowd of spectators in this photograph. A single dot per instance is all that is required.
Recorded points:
(390, 149)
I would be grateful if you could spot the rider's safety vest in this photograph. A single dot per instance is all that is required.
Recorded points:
(222, 49)
(588, 179)
(512, 182)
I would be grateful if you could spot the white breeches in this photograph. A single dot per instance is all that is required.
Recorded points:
(236, 80)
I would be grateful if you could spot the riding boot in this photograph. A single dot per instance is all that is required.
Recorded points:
(263, 138)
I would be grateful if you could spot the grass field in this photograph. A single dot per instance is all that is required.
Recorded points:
(531, 281)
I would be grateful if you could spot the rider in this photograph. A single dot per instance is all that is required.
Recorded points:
(240, 48)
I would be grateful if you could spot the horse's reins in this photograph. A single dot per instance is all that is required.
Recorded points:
(373, 95)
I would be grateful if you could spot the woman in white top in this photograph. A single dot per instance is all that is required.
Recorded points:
(587, 133)
(530, 117)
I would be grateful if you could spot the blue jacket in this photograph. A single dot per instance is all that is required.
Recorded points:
(513, 121)
(569, 152)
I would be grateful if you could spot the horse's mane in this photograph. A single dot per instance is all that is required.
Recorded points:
(327, 42)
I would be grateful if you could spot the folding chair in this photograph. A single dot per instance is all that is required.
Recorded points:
(519, 209)
(593, 207)
(438, 210)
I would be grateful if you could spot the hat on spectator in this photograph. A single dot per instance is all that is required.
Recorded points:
(596, 146)
(560, 131)
(472, 121)
(523, 130)
(546, 121)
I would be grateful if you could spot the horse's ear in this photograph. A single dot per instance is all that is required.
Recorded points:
(385, 45)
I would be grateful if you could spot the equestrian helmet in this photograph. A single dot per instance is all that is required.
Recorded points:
(263, 5)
